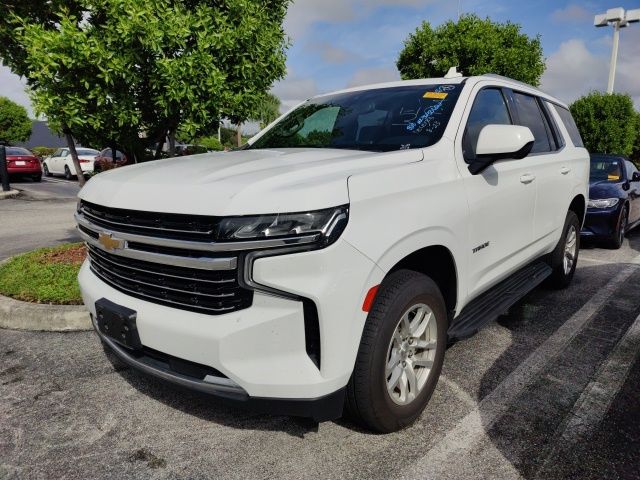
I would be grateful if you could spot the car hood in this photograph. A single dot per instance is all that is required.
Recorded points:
(604, 189)
(241, 182)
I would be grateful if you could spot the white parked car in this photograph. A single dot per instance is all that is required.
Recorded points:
(60, 163)
(332, 260)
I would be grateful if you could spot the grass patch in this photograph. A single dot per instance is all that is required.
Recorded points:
(47, 275)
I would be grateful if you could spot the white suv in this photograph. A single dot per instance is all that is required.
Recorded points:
(331, 261)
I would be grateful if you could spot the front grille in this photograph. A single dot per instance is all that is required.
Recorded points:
(205, 291)
(198, 228)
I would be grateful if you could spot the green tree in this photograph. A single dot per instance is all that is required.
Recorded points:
(635, 153)
(123, 68)
(475, 46)
(268, 110)
(15, 125)
(12, 51)
(607, 122)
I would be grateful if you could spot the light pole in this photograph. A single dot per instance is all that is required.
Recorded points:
(618, 18)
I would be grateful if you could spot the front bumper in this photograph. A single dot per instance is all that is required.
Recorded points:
(328, 407)
(601, 223)
(261, 350)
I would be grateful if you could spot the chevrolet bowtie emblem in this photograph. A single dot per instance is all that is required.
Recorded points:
(109, 243)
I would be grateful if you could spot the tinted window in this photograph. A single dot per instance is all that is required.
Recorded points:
(570, 125)
(87, 151)
(531, 116)
(606, 169)
(381, 119)
(557, 136)
(17, 151)
(489, 108)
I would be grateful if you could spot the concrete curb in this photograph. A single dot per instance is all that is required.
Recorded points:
(18, 315)
(9, 194)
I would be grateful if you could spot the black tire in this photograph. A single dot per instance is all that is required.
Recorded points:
(616, 241)
(368, 401)
(37, 178)
(560, 277)
(45, 170)
(67, 173)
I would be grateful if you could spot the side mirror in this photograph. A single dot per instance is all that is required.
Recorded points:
(635, 177)
(501, 142)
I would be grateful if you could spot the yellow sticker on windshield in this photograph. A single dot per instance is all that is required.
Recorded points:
(435, 95)
(613, 177)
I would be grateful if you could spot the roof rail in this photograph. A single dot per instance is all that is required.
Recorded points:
(502, 77)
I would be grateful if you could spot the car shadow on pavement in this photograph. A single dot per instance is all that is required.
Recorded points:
(555, 367)
(211, 408)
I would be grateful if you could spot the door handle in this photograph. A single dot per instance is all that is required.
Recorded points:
(565, 170)
(527, 178)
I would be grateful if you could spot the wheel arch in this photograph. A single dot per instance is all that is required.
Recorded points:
(438, 263)
(579, 206)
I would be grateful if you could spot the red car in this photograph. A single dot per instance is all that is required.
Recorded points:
(104, 160)
(21, 162)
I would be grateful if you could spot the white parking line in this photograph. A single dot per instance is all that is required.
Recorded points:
(594, 260)
(460, 441)
(596, 399)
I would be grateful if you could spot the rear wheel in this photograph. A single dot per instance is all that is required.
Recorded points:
(37, 178)
(621, 229)
(401, 353)
(564, 258)
(67, 173)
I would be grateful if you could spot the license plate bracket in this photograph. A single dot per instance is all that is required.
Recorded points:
(118, 323)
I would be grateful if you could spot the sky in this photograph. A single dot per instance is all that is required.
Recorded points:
(342, 43)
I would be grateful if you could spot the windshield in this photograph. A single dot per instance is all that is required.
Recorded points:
(18, 151)
(86, 151)
(379, 120)
(606, 169)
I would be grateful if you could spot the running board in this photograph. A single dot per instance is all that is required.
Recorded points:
(496, 301)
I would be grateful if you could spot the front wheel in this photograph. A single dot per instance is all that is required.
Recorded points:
(45, 170)
(401, 353)
(617, 239)
(564, 258)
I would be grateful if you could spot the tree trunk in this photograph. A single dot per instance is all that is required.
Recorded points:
(74, 156)
(172, 143)
(161, 140)
(219, 135)
(238, 136)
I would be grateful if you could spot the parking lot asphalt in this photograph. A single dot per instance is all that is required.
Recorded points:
(42, 216)
(548, 391)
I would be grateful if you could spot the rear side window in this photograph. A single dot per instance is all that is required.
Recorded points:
(17, 151)
(570, 125)
(531, 116)
(489, 108)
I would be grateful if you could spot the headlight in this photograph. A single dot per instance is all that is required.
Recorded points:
(602, 203)
(319, 226)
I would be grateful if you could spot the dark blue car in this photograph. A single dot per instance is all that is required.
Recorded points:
(614, 199)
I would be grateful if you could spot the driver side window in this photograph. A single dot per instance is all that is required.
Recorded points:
(489, 108)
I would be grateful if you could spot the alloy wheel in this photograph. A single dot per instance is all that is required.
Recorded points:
(570, 249)
(411, 354)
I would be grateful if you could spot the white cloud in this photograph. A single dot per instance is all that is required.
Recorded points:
(303, 13)
(13, 87)
(294, 89)
(574, 69)
(572, 13)
(373, 75)
(331, 53)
